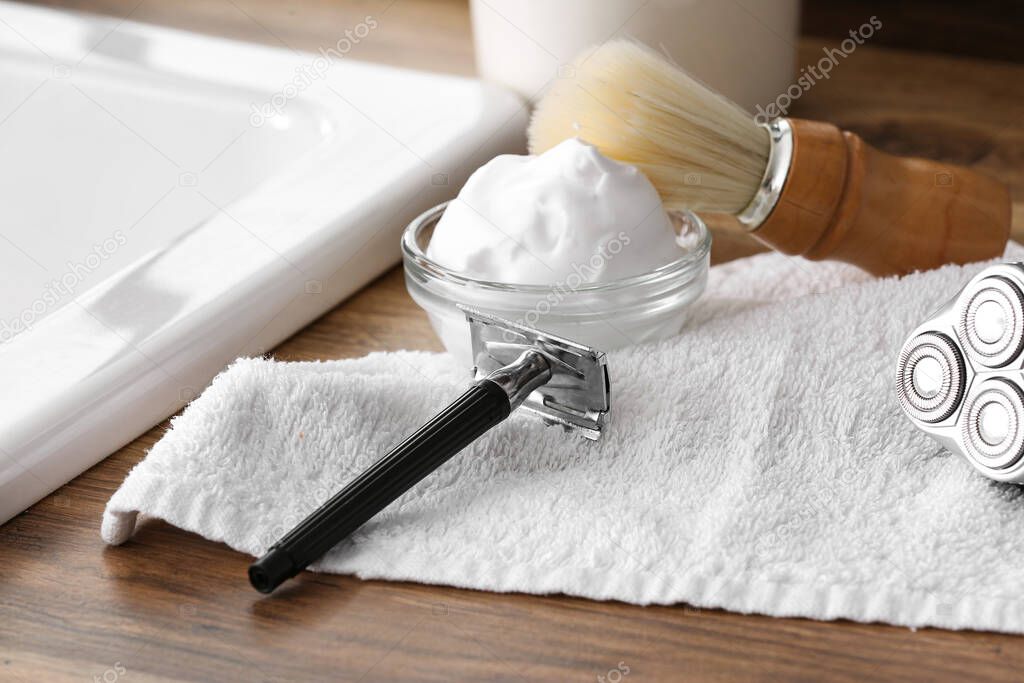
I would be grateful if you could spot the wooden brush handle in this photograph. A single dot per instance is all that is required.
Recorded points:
(845, 200)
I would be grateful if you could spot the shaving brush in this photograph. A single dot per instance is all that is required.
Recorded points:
(804, 188)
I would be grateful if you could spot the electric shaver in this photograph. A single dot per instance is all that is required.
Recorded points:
(960, 375)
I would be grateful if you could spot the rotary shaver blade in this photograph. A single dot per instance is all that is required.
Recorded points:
(989, 321)
(959, 375)
(930, 380)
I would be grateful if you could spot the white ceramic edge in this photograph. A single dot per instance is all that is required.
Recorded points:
(244, 296)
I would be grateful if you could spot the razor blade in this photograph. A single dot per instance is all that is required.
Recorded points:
(563, 382)
(576, 396)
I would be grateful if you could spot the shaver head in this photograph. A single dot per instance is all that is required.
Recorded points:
(576, 397)
(960, 375)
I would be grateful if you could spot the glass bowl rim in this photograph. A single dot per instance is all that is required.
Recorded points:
(414, 255)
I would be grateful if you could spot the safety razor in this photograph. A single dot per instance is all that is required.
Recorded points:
(960, 375)
(557, 380)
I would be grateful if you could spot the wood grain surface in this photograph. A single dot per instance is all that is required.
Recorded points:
(172, 606)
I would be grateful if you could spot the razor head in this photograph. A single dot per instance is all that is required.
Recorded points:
(577, 396)
(960, 375)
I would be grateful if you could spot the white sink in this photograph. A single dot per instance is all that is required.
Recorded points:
(155, 225)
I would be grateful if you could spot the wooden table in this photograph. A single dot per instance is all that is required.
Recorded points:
(170, 605)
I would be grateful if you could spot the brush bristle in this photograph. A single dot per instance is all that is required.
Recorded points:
(701, 151)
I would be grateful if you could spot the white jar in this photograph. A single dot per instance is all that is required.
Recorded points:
(744, 49)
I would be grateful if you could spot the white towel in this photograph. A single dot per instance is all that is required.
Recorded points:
(758, 462)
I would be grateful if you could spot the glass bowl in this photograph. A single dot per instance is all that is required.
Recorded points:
(604, 316)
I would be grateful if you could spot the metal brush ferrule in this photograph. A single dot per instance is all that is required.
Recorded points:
(780, 156)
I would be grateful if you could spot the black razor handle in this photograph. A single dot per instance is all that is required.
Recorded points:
(484, 405)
